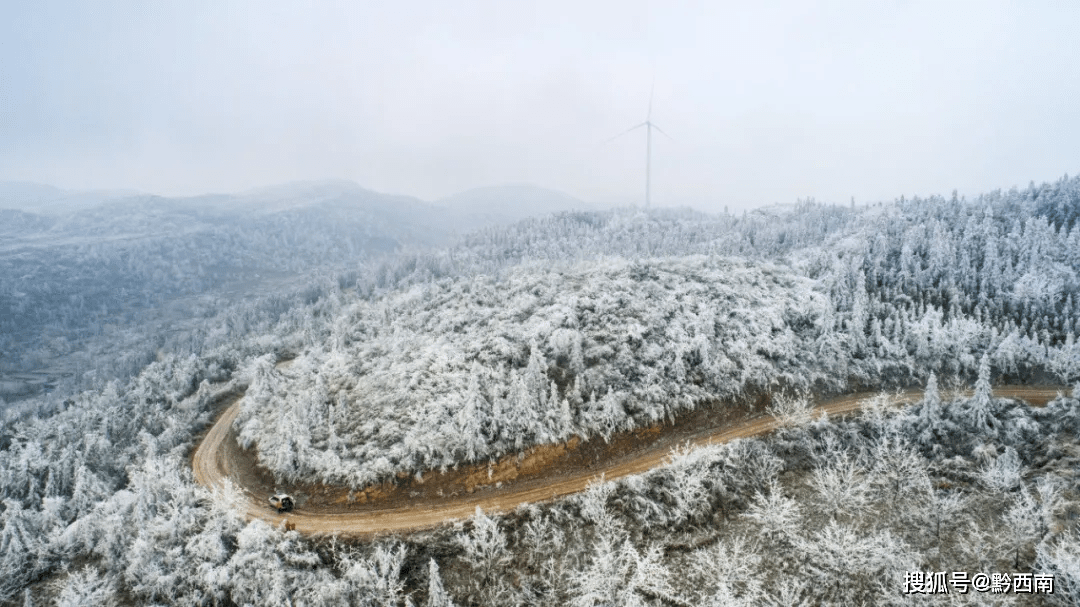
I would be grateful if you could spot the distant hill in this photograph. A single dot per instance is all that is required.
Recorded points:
(72, 263)
(427, 221)
(41, 198)
(14, 222)
(506, 204)
(338, 192)
(406, 219)
(25, 192)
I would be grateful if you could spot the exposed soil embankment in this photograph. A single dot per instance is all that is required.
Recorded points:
(538, 474)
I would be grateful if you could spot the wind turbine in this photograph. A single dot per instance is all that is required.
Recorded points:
(649, 126)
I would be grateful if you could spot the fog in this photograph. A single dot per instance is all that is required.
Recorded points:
(765, 102)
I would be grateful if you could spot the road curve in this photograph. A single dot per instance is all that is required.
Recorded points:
(214, 461)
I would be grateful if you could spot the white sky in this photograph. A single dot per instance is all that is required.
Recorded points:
(767, 101)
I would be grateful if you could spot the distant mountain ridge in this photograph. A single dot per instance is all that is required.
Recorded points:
(324, 206)
(41, 198)
(499, 204)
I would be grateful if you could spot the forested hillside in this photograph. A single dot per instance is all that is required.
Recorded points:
(455, 369)
(590, 323)
(458, 370)
(79, 276)
(75, 280)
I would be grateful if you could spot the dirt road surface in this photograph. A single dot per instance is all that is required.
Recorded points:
(219, 457)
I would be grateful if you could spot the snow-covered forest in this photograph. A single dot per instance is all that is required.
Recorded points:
(94, 286)
(478, 354)
(581, 323)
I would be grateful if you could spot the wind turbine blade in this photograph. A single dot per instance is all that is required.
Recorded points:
(625, 132)
(652, 86)
(661, 131)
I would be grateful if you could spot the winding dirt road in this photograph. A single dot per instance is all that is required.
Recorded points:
(218, 457)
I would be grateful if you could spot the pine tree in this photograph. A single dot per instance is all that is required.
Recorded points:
(931, 396)
(979, 407)
(473, 417)
(566, 419)
(437, 595)
(932, 424)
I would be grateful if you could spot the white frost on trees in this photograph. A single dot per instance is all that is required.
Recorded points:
(436, 594)
(842, 487)
(980, 406)
(1004, 473)
(486, 555)
(776, 514)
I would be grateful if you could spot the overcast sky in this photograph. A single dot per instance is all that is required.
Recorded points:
(766, 102)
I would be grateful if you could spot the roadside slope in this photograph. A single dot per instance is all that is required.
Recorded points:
(218, 457)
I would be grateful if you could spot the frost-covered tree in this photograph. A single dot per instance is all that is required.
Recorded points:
(842, 487)
(791, 409)
(930, 413)
(1005, 472)
(900, 469)
(776, 514)
(1021, 523)
(1061, 558)
(854, 564)
(980, 407)
(728, 572)
(620, 575)
(942, 509)
(87, 588)
(436, 594)
(486, 554)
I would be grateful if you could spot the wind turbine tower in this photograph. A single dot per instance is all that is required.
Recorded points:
(649, 126)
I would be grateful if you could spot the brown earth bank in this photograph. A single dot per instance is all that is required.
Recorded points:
(537, 474)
